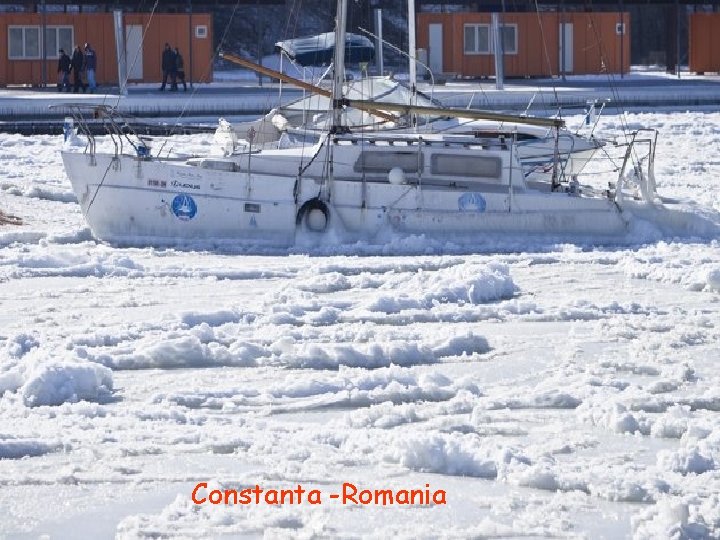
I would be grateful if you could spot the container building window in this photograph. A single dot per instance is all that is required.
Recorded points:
(24, 42)
(509, 38)
(56, 38)
(478, 39)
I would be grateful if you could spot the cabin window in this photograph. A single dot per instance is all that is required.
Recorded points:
(478, 39)
(508, 33)
(23, 42)
(382, 162)
(469, 166)
(58, 37)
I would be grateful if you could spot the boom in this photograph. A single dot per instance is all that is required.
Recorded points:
(377, 108)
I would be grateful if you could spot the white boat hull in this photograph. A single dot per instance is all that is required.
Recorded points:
(129, 201)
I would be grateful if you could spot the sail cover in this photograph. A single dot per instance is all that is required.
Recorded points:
(320, 49)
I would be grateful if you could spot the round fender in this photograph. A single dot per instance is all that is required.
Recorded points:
(315, 214)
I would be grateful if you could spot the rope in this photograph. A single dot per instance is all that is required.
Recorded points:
(547, 59)
(137, 52)
(215, 55)
(102, 181)
(613, 88)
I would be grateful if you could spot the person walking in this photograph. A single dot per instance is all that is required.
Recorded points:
(63, 71)
(180, 69)
(76, 64)
(90, 67)
(168, 67)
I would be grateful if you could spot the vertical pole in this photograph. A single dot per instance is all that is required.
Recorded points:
(412, 50)
(339, 64)
(622, 40)
(563, 42)
(497, 39)
(259, 29)
(379, 42)
(120, 51)
(677, 38)
(190, 42)
(43, 51)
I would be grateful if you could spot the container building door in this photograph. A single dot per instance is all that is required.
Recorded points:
(435, 45)
(566, 48)
(134, 52)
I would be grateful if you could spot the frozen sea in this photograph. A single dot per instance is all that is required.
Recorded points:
(551, 390)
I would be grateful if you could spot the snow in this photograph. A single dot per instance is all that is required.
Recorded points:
(58, 383)
(551, 390)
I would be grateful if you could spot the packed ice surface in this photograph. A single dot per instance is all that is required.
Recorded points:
(551, 390)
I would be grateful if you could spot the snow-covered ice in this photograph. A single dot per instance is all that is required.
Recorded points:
(551, 390)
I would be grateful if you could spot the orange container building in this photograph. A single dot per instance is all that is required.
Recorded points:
(22, 42)
(535, 44)
(704, 42)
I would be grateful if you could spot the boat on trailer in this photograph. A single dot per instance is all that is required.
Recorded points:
(360, 184)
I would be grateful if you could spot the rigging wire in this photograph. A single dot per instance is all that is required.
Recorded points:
(117, 102)
(137, 52)
(617, 101)
(547, 60)
(214, 57)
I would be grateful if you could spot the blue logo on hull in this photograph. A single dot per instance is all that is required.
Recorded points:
(472, 201)
(184, 207)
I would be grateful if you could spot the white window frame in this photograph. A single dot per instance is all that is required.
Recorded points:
(514, 26)
(24, 28)
(53, 55)
(201, 31)
(50, 55)
(490, 49)
(476, 28)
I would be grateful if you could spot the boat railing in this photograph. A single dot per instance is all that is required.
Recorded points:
(643, 178)
(92, 119)
(423, 140)
(563, 157)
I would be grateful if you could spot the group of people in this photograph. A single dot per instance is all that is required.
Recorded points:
(81, 61)
(173, 68)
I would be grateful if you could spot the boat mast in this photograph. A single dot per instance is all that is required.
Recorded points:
(412, 53)
(339, 63)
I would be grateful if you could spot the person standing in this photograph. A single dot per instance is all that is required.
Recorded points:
(63, 71)
(168, 67)
(77, 63)
(180, 69)
(90, 67)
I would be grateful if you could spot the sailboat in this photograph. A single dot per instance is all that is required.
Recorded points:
(307, 118)
(538, 147)
(361, 185)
